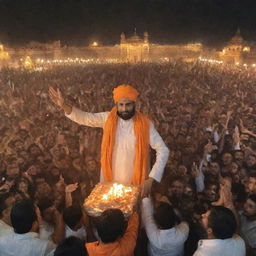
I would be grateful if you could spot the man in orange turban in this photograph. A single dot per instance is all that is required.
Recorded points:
(127, 138)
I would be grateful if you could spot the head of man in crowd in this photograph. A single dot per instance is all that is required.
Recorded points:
(165, 216)
(23, 217)
(219, 223)
(73, 217)
(251, 161)
(214, 169)
(251, 184)
(110, 225)
(125, 97)
(227, 158)
(71, 246)
(239, 157)
(176, 188)
(250, 207)
(211, 191)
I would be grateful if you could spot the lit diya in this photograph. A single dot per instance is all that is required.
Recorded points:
(111, 195)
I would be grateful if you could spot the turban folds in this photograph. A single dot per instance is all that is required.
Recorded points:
(125, 91)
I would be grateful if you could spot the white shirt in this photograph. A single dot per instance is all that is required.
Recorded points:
(234, 246)
(80, 233)
(45, 230)
(25, 245)
(248, 230)
(125, 145)
(168, 242)
(5, 229)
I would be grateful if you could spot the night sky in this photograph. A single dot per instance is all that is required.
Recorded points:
(78, 22)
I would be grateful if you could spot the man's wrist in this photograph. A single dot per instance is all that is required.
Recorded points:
(67, 108)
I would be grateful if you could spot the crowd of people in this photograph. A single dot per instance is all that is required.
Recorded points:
(48, 164)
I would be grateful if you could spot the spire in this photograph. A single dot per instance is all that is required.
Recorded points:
(145, 36)
(122, 37)
(135, 31)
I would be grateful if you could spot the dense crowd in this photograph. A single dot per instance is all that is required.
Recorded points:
(205, 114)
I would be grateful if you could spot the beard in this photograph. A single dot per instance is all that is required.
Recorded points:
(126, 115)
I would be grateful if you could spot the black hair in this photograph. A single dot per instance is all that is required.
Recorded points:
(238, 190)
(22, 216)
(110, 225)
(209, 183)
(222, 222)
(165, 216)
(44, 203)
(252, 197)
(71, 246)
(252, 175)
(72, 215)
(237, 151)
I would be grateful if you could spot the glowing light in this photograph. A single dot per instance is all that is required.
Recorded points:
(28, 63)
(116, 191)
(210, 60)
(246, 49)
(94, 44)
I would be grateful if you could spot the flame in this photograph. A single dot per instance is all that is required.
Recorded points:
(116, 191)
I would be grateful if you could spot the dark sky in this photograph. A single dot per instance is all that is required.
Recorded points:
(78, 22)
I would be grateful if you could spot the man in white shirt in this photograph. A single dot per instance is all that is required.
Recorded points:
(126, 139)
(248, 223)
(73, 218)
(220, 226)
(24, 240)
(6, 203)
(52, 226)
(166, 234)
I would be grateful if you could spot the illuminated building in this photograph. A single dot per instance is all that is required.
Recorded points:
(134, 49)
(3, 54)
(235, 50)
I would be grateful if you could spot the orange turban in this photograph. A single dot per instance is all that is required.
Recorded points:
(125, 91)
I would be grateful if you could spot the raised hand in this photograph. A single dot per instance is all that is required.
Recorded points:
(194, 170)
(56, 97)
(71, 188)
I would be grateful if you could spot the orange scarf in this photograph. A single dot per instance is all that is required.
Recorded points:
(141, 131)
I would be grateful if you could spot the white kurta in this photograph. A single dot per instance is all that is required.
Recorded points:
(123, 157)
(162, 242)
(234, 246)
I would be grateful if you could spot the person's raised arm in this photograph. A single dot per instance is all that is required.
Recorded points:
(77, 115)
(58, 99)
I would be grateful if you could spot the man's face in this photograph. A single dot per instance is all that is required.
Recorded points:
(211, 193)
(125, 108)
(176, 188)
(234, 168)
(227, 159)
(251, 161)
(251, 185)
(249, 208)
(239, 157)
(214, 168)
